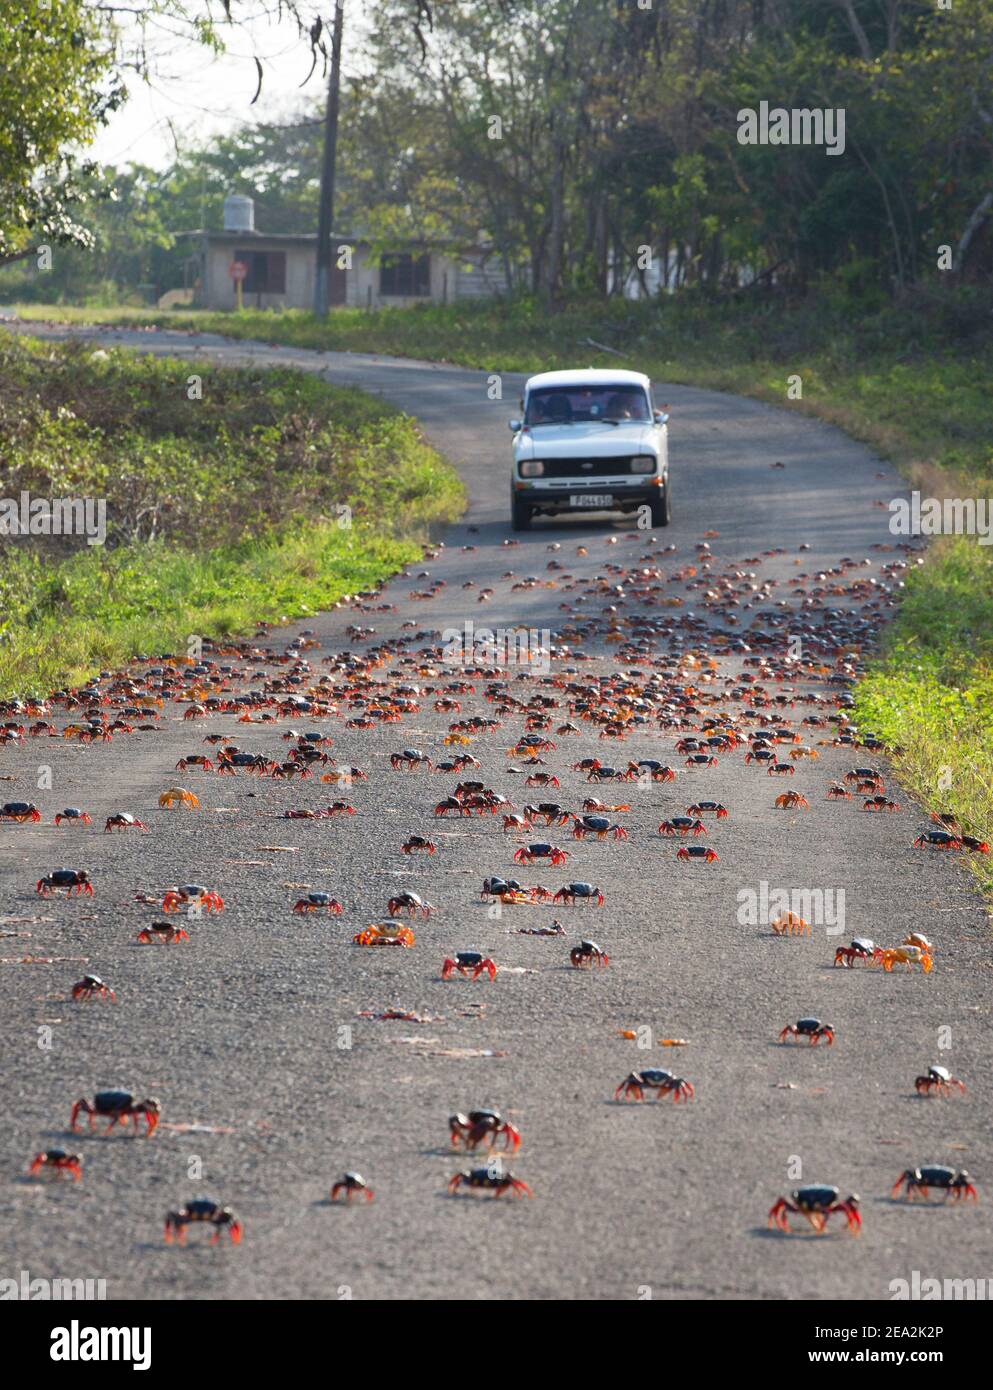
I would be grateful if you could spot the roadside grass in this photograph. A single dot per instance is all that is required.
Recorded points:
(268, 498)
(914, 380)
(929, 692)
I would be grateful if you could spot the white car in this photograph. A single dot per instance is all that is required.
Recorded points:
(589, 440)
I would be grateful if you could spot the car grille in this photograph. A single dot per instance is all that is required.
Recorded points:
(586, 468)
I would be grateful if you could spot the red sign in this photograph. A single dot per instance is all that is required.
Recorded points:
(238, 270)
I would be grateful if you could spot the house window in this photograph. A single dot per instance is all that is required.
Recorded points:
(266, 271)
(405, 275)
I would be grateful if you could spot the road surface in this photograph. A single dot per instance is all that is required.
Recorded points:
(250, 1032)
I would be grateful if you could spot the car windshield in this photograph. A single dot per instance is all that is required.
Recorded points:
(564, 405)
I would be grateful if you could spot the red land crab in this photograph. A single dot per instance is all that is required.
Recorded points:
(409, 759)
(92, 987)
(579, 892)
(490, 1179)
(411, 903)
(940, 1080)
(816, 1204)
(587, 954)
(650, 767)
(124, 820)
(417, 844)
(704, 852)
(862, 776)
(72, 880)
(550, 812)
(528, 854)
(482, 1126)
(202, 1211)
(541, 779)
(319, 902)
(73, 816)
(790, 801)
(352, 1185)
(20, 811)
(917, 1182)
(701, 760)
(56, 1163)
(662, 1082)
(682, 826)
(937, 839)
(860, 948)
(600, 826)
(811, 1028)
(118, 1107)
(465, 961)
(161, 932)
(195, 760)
(702, 807)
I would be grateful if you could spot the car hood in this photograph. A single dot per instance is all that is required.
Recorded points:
(586, 440)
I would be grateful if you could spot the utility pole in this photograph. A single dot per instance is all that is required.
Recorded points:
(322, 279)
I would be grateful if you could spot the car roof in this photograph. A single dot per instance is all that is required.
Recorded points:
(587, 376)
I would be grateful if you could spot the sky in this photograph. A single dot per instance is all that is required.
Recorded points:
(197, 94)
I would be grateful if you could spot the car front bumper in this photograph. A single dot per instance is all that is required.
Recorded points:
(553, 496)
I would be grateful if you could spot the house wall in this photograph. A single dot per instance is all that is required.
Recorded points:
(451, 278)
(219, 291)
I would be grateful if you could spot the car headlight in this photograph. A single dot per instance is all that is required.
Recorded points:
(644, 463)
(532, 468)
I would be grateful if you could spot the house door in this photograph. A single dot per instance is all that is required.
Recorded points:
(336, 290)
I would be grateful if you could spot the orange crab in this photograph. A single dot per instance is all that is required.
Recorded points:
(888, 956)
(192, 895)
(790, 924)
(385, 934)
(179, 796)
(792, 801)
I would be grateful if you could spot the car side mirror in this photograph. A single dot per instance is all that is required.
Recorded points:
(514, 425)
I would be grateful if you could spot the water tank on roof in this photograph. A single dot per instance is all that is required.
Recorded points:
(239, 213)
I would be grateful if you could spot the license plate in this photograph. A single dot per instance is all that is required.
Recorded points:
(590, 499)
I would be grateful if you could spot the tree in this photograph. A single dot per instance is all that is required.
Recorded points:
(42, 120)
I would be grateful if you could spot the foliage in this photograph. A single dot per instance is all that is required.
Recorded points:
(929, 694)
(272, 495)
(41, 119)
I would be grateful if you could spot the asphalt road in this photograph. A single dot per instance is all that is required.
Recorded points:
(239, 1031)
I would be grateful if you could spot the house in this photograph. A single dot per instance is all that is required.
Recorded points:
(280, 269)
